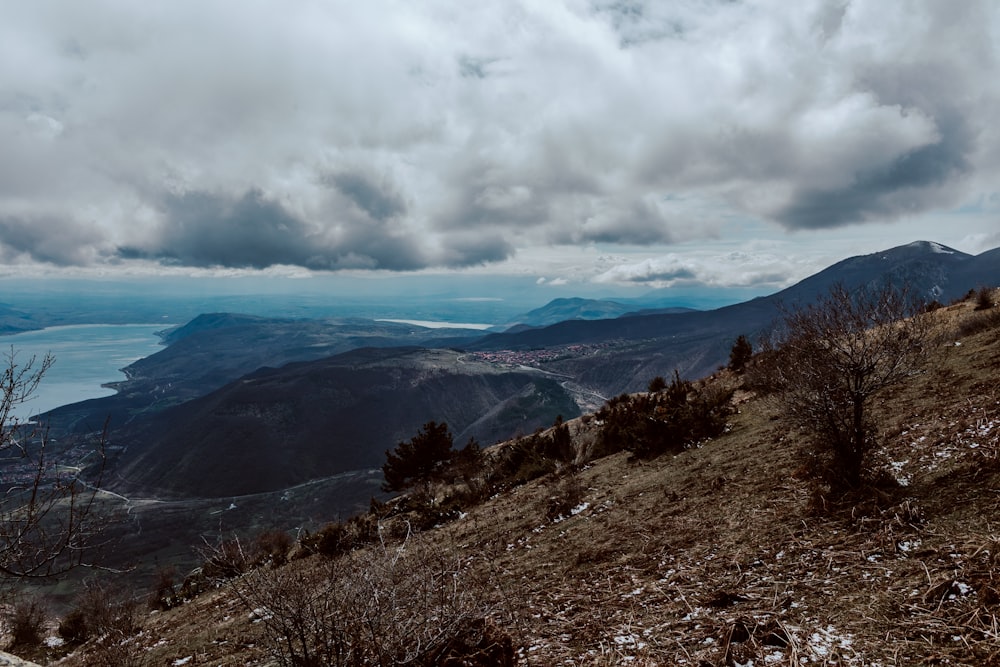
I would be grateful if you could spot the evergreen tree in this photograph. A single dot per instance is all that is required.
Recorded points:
(420, 460)
(740, 354)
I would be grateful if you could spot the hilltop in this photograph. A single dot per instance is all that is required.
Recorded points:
(720, 554)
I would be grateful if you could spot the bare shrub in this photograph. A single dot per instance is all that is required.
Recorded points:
(984, 298)
(387, 605)
(48, 517)
(272, 547)
(837, 355)
(25, 622)
(567, 493)
(164, 594)
(111, 619)
(226, 559)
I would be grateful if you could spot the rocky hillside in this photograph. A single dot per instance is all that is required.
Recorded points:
(722, 554)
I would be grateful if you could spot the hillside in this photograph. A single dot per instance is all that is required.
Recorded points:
(719, 555)
(215, 349)
(610, 356)
(280, 427)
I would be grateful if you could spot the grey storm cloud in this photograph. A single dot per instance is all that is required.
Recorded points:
(45, 239)
(884, 191)
(447, 134)
(379, 201)
(207, 229)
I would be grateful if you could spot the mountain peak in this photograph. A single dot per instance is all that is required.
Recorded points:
(932, 246)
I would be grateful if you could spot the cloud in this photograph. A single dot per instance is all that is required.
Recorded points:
(47, 240)
(399, 137)
(727, 270)
(378, 200)
(910, 181)
(252, 231)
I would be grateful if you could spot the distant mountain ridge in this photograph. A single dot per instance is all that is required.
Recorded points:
(577, 308)
(697, 342)
(204, 417)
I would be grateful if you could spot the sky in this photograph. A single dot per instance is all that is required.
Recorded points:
(581, 144)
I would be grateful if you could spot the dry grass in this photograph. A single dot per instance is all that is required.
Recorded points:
(722, 555)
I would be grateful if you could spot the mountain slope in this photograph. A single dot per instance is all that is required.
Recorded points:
(719, 555)
(638, 348)
(278, 427)
(217, 348)
(574, 308)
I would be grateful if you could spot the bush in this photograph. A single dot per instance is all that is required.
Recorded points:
(649, 425)
(740, 354)
(272, 547)
(73, 628)
(225, 560)
(979, 322)
(164, 594)
(99, 611)
(521, 461)
(558, 446)
(467, 465)
(406, 604)
(25, 621)
(567, 493)
(836, 356)
(333, 539)
(984, 298)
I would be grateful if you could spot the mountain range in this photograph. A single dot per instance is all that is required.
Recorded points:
(237, 404)
(724, 552)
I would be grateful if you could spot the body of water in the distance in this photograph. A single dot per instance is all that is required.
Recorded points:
(86, 357)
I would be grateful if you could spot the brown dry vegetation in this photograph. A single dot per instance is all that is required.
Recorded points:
(725, 553)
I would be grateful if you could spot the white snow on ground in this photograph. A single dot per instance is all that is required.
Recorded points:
(983, 435)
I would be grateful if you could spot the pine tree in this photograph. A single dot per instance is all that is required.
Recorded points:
(740, 354)
(420, 460)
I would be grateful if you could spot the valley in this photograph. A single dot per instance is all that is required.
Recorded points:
(241, 423)
(722, 552)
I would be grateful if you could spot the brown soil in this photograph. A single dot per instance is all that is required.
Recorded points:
(724, 554)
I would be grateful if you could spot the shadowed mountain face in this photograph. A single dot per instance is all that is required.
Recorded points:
(279, 427)
(215, 349)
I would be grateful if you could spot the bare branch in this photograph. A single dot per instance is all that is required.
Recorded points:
(48, 519)
(835, 356)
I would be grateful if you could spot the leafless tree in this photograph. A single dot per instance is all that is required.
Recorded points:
(48, 513)
(837, 355)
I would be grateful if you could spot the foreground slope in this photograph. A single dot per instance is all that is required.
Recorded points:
(724, 554)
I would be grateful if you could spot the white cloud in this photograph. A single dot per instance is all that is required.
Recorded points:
(706, 269)
(447, 134)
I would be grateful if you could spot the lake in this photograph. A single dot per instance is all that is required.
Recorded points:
(86, 356)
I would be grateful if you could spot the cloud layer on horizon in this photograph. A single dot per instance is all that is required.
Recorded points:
(401, 136)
